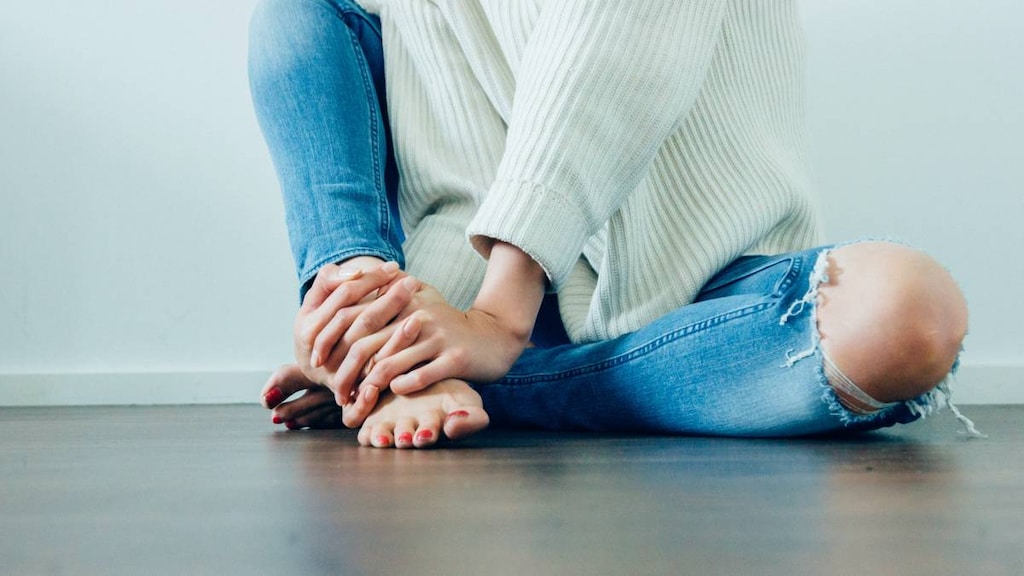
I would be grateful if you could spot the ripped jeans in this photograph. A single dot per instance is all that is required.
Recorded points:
(742, 360)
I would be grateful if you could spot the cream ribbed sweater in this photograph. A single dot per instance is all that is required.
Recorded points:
(632, 147)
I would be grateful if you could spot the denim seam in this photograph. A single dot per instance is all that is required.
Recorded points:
(640, 351)
(795, 268)
(384, 215)
(378, 175)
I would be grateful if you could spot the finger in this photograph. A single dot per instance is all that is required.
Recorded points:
(321, 288)
(400, 363)
(382, 311)
(328, 278)
(398, 278)
(284, 382)
(347, 294)
(347, 328)
(331, 334)
(402, 338)
(441, 368)
(313, 399)
(352, 366)
(364, 403)
(369, 391)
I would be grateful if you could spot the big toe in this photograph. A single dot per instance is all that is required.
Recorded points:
(465, 421)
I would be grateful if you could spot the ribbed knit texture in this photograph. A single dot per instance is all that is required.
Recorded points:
(633, 148)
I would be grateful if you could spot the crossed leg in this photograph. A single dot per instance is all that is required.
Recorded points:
(891, 319)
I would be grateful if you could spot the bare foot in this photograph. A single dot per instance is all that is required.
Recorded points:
(316, 408)
(418, 420)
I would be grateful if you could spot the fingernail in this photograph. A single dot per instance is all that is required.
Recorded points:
(291, 425)
(424, 435)
(274, 397)
(277, 419)
(410, 283)
(349, 273)
(389, 267)
(371, 394)
(405, 438)
(314, 359)
(410, 327)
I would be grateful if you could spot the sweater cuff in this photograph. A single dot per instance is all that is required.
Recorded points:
(535, 219)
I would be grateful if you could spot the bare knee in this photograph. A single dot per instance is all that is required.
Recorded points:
(891, 318)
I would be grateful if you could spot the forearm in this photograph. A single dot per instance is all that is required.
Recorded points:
(512, 290)
(601, 85)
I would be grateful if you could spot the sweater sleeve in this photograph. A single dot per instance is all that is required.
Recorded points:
(601, 85)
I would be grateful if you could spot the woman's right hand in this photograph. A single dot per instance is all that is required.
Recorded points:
(356, 300)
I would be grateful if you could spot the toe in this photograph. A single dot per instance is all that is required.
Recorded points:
(322, 417)
(405, 430)
(284, 382)
(318, 401)
(365, 433)
(382, 436)
(465, 421)
(428, 431)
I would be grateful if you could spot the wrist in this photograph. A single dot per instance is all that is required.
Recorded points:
(512, 290)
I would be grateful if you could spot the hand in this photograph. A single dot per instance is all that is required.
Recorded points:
(435, 342)
(340, 308)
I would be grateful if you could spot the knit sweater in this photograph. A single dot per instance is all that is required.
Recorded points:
(632, 148)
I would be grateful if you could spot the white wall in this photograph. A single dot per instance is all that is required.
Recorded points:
(140, 228)
(141, 234)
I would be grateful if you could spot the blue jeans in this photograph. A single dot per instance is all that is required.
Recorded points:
(742, 360)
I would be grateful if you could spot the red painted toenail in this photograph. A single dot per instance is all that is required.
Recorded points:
(424, 435)
(458, 414)
(277, 419)
(405, 438)
(383, 440)
(292, 425)
(274, 397)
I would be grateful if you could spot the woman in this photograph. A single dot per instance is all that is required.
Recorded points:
(623, 184)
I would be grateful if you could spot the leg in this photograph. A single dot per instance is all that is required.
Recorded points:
(743, 360)
(891, 320)
(316, 76)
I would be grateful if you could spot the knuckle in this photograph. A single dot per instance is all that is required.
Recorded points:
(345, 293)
(367, 321)
(458, 356)
(307, 333)
(361, 350)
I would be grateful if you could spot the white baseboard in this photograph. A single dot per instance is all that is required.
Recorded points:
(989, 384)
(144, 388)
(976, 384)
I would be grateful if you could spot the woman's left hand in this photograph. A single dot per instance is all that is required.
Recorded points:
(435, 342)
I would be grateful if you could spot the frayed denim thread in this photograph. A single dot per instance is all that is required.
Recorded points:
(923, 406)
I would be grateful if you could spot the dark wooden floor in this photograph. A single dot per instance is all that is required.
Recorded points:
(217, 490)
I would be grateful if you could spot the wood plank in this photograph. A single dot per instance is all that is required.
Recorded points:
(216, 489)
